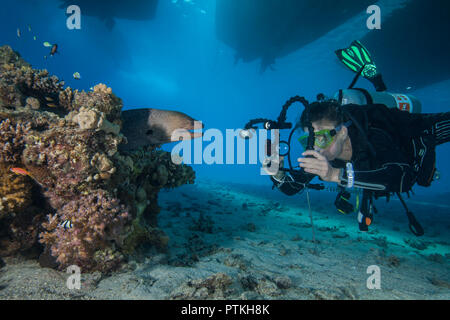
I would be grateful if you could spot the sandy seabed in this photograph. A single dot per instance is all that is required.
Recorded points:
(230, 241)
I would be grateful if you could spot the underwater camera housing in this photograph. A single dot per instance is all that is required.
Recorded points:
(249, 130)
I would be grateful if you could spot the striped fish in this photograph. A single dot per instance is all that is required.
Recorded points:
(66, 224)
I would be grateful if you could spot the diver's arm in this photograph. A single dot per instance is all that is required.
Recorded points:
(390, 177)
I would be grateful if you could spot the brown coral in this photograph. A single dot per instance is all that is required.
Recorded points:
(19, 81)
(19, 221)
(100, 99)
(15, 192)
(10, 57)
(12, 140)
(10, 61)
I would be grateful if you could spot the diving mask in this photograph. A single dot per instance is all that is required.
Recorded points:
(323, 138)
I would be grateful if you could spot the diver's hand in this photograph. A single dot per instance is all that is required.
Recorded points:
(272, 165)
(319, 166)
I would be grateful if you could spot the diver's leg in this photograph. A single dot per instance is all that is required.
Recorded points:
(439, 126)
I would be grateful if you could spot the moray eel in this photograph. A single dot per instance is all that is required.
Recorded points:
(151, 126)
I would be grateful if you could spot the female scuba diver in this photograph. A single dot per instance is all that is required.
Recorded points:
(380, 150)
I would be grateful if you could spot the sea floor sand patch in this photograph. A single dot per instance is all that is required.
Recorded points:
(231, 241)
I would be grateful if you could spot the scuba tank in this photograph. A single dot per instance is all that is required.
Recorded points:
(404, 102)
(359, 60)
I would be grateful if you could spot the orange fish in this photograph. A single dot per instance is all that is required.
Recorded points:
(20, 171)
(23, 172)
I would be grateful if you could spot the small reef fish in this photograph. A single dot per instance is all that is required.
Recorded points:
(66, 224)
(18, 32)
(23, 172)
(51, 105)
(49, 99)
(29, 28)
(20, 171)
(77, 76)
(408, 88)
(54, 49)
(34, 38)
(47, 44)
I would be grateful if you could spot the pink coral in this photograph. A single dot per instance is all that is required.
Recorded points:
(71, 151)
(98, 220)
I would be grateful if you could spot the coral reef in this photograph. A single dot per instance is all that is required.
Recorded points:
(96, 219)
(12, 140)
(216, 286)
(19, 81)
(15, 192)
(19, 220)
(67, 141)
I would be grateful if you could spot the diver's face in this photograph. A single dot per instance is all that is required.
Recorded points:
(334, 150)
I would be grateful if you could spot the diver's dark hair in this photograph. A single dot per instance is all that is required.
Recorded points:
(323, 110)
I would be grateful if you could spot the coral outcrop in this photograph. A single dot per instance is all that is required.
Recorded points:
(67, 141)
(19, 221)
(97, 220)
(15, 192)
(216, 286)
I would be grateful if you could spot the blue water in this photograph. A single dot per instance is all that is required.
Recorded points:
(176, 62)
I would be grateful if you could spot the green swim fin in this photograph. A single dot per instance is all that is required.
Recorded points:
(358, 59)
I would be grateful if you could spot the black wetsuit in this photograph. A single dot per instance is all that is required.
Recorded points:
(391, 150)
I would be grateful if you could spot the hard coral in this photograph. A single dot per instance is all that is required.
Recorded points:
(12, 140)
(10, 57)
(15, 192)
(19, 81)
(98, 221)
(91, 119)
(100, 98)
(19, 220)
(70, 149)
(10, 61)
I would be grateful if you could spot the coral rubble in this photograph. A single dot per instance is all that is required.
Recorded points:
(216, 286)
(67, 141)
